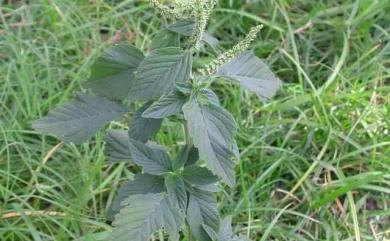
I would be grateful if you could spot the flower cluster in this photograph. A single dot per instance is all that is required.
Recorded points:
(227, 56)
(202, 11)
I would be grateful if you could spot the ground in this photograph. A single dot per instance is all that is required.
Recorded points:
(315, 159)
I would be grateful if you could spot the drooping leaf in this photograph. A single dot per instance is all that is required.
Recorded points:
(212, 129)
(198, 176)
(141, 184)
(187, 155)
(113, 72)
(159, 71)
(141, 128)
(185, 27)
(225, 231)
(165, 38)
(76, 121)
(153, 161)
(202, 210)
(176, 188)
(167, 105)
(117, 146)
(253, 75)
(144, 214)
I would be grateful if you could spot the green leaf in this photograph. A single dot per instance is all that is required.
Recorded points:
(77, 120)
(198, 176)
(141, 128)
(113, 72)
(167, 105)
(117, 146)
(210, 232)
(141, 184)
(211, 41)
(185, 27)
(209, 95)
(184, 87)
(253, 75)
(176, 188)
(144, 214)
(212, 129)
(153, 161)
(187, 155)
(159, 71)
(165, 38)
(202, 210)
(225, 231)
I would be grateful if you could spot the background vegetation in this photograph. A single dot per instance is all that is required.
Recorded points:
(315, 160)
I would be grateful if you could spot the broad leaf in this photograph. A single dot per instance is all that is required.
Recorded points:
(153, 161)
(117, 146)
(198, 176)
(212, 129)
(212, 234)
(253, 75)
(165, 38)
(141, 128)
(144, 214)
(113, 72)
(77, 120)
(159, 71)
(225, 231)
(176, 188)
(167, 105)
(141, 184)
(202, 210)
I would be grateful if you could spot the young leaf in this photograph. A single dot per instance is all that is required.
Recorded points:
(184, 87)
(176, 188)
(77, 120)
(185, 27)
(165, 38)
(144, 214)
(141, 184)
(153, 161)
(202, 210)
(167, 105)
(159, 71)
(113, 72)
(209, 95)
(141, 128)
(188, 155)
(252, 73)
(212, 129)
(117, 146)
(225, 231)
(198, 176)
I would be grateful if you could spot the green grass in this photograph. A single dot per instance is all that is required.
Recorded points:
(315, 161)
